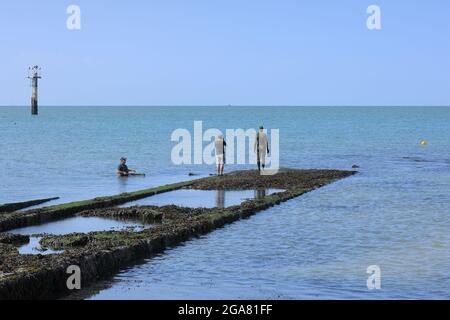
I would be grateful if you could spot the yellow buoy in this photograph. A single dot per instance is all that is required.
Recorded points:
(424, 142)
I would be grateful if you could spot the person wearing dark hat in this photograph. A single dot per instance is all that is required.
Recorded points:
(123, 170)
(261, 148)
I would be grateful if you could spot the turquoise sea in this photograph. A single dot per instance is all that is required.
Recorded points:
(394, 213)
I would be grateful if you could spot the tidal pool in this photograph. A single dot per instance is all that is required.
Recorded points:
(82, 225)
(73, 225)
(34, 247)
(202, 198)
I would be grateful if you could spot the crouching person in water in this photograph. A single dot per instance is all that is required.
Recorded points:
(123, 170)
(261, 148)
(220, 154)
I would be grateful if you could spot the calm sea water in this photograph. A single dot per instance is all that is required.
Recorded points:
(393, 214)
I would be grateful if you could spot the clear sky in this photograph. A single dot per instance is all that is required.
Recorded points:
(239, 52)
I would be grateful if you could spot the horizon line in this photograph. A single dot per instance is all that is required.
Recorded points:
(232, 106)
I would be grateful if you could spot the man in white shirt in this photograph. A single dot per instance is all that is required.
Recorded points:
(220, 154)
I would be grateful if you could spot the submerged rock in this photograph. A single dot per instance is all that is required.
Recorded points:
(14, 239)
(64, 242)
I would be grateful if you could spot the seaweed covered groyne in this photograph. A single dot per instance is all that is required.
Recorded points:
(28, 218)
(101, 254)
(11, 207)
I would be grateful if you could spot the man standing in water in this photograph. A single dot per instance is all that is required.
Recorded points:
(220, 154)
(261, 148)
(123, 170)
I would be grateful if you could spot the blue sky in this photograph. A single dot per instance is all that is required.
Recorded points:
(246, 52)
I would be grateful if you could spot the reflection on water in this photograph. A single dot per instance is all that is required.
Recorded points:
(220, 199)
(260, 194)
(122, 184)
(202, 198)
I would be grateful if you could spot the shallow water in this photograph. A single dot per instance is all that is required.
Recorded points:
(393, 214)
(81, 225)
(34, 247)
(202, 198)
(314, 247)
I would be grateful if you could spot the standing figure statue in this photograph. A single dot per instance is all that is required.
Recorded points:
(261, 148)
